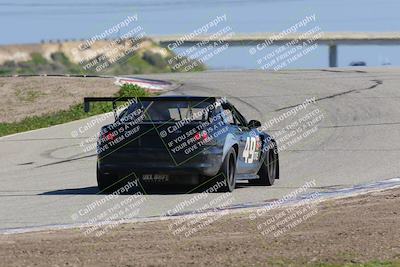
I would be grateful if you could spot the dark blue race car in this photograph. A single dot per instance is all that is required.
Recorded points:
(183, 140)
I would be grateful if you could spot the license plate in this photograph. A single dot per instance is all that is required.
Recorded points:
(155, 177)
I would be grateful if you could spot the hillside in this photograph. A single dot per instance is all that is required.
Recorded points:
(101, 58)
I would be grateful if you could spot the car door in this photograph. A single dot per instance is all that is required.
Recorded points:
(235, 133)
(249, 154)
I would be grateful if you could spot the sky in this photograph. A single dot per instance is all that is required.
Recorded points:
(33, 21)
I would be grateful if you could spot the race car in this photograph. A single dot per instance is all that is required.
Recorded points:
(183, 140)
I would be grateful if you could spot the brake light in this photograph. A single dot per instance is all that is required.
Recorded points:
(204, 134)
(110, 137)
(201, 135)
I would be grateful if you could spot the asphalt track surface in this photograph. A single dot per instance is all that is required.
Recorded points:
(46, 178)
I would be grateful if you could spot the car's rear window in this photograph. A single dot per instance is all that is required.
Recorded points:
(166, 110)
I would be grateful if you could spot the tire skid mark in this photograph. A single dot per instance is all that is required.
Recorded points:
(376, 84)
(66, 160)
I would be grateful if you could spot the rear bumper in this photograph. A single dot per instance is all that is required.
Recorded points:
(155, 161)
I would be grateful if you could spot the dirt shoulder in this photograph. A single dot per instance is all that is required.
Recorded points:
(360, 229)
(28, 96)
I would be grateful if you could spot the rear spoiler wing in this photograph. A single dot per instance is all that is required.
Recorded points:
(132, 99)
(114, 100)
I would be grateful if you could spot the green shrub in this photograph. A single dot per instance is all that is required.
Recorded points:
(61, 58)
(155, 59)
(38, 59)
(134, 90)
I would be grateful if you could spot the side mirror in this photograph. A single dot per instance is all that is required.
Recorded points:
(254, 124)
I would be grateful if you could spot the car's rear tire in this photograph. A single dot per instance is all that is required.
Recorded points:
(104, 185)
(226, 176)
(269, 170)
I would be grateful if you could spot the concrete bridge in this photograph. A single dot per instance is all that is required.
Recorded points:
(331, 39)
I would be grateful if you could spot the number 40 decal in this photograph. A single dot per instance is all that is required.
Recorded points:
(249, 152)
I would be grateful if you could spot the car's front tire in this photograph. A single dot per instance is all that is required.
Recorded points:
(269, 170)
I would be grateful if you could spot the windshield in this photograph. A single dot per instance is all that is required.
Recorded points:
(166, 111)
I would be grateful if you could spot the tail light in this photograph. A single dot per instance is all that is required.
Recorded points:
(204, 134)
(201, 135)
(110, 136)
